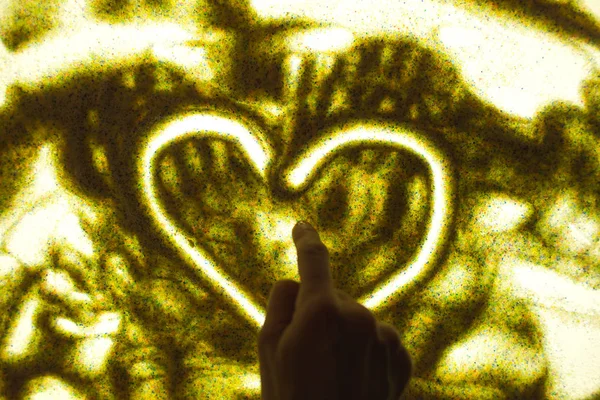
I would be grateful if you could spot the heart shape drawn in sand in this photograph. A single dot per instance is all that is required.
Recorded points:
(225, 126)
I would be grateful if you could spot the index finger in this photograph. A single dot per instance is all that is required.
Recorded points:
(313, 262)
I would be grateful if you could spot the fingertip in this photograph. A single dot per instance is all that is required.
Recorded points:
(286, 287)
(300, 229)
(281, 305)
(313, 261)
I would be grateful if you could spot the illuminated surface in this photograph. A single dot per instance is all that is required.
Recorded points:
(364, 134)
(150, 185)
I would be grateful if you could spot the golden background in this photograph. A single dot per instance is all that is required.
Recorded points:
(155, 155)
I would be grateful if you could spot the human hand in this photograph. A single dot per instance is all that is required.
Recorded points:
(319, 343)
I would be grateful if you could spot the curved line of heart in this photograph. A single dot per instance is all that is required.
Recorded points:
(218, 125)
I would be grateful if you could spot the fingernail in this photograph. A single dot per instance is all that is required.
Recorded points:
(304, 225)
(300, 229)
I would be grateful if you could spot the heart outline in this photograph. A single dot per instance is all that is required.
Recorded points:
(223, 125)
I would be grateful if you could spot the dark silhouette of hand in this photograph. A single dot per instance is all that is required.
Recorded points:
(319, 343)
